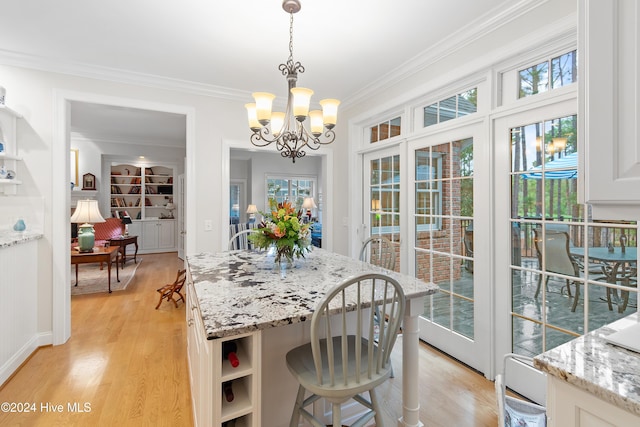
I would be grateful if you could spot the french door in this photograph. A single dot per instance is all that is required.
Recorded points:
(382, 194)
(532, 200)
(449, 245)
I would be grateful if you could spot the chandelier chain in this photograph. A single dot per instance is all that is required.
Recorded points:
(291, 37)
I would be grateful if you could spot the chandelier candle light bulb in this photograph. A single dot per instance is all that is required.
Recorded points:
(287, 129)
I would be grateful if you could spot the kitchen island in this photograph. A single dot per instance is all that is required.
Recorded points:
(591, 382)
(241, 296)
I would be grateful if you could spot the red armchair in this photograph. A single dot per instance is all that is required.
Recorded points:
(112, 228)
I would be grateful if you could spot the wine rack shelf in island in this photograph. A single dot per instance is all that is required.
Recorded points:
(142, 191)
(243, 380)
(210, 372)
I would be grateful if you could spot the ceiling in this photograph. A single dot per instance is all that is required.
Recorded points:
(235, 47)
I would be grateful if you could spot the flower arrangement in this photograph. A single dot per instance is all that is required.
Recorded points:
(283, 228)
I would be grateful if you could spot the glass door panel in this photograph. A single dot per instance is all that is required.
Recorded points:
(443, 215)
(560, 267)
(383, 179)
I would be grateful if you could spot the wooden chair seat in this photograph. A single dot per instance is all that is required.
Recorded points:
(168, 290)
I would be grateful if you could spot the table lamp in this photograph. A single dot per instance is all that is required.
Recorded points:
(87, 214)
(309, 204)
(252, 210)
(126, 220)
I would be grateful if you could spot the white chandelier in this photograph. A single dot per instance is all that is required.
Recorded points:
(287, 128)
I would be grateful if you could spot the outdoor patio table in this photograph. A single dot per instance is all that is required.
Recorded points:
(615, 260)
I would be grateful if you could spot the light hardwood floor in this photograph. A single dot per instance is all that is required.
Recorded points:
(128, 362)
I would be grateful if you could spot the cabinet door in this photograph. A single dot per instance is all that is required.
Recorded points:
(150, 235)
(166, 234)
(200, 364)
(135, 229)
(609, 103)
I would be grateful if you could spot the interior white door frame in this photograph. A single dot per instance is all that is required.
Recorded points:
(181, 230)
(327, 185)
(60, 205)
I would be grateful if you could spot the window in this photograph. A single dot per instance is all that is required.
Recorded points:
(456, 106)
(385, 130)
(234, 203)
(292, 189)
(428, 188)
(535, 79)
(384, 190)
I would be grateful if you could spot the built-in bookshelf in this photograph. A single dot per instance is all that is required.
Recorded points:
(142, 191)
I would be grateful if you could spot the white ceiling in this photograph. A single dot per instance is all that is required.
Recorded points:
(346, 46)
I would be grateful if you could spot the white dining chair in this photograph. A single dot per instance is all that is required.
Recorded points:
(348, 355)
(378, 250)
(240, 241)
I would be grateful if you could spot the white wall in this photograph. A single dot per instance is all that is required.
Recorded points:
(32, 93)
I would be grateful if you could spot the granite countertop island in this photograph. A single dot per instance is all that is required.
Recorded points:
(241, 291)
(242, 294)
(12, 238)
(606, 371)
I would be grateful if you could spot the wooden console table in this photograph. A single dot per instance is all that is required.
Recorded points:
(123, 242)
(107, 255)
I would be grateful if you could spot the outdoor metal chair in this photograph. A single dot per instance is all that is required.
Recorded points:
(557, 259)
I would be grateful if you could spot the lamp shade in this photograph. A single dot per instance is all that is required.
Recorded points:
(87, 212)
(330, 112)
(309, 203)
(252, 209)
(301, 100)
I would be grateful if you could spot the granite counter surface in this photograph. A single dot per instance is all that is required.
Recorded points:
(590, 363)
(241, 291)
(12, 238)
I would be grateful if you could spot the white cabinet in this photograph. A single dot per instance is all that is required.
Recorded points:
(209, 373)
(143, 191)
(9, 159)
(200, 363)
(568, 406)
(609, 106)
(18, 306)
(156, 235)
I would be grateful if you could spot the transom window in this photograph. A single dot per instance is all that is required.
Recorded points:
(535, 79)
(453, 107)
(385, 130)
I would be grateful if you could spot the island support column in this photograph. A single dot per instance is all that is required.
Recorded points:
(410, 365)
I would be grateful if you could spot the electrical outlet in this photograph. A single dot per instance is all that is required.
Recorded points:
(208, 225)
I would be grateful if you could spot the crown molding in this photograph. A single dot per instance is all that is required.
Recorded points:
(481, 27)
(47, 64)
